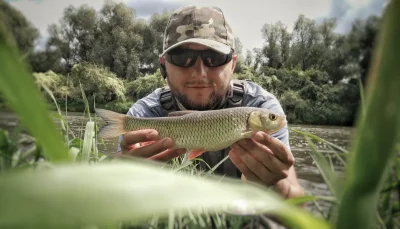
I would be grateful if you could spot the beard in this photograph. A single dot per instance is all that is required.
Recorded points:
(209, 103)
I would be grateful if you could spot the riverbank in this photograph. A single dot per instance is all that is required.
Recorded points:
(123, 107)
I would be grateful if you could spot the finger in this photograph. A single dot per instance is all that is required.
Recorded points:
(265, 155)
(168, 154)
(152, 149)
(133, 137)
(254, 165)
(250, 176)
(280, 150)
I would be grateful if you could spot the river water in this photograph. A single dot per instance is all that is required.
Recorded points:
(307, 172)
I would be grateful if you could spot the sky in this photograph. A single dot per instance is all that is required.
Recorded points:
(245, 17)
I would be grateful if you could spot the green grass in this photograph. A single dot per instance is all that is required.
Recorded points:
(74, 188)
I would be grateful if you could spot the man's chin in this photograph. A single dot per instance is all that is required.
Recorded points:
(199, 104)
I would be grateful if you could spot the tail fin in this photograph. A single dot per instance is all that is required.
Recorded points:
(114, 123)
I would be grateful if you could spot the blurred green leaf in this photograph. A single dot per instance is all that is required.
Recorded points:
(77, 195)
(319, 139)
(18, 88)
(331, 179)
(377, 131)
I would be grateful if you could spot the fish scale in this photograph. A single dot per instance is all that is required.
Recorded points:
(197, 131)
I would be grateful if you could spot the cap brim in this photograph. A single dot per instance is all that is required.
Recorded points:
(214, 45)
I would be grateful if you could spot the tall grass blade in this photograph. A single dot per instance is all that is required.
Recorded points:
(63, 123)
(87, 141)
(377, 131)
(319, 139)
(85, 100)
(21, 94)
(327, 173)
(217, 165)
(77, 195)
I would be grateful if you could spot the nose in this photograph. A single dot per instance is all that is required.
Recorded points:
(200, 70)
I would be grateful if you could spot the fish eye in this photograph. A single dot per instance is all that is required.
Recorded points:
(272, 117)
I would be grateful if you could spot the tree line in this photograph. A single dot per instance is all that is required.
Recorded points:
(313, 70)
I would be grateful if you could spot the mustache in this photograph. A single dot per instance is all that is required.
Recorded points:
(203, 82)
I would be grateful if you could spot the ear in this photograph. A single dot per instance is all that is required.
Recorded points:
(234, 59)
(162, 67)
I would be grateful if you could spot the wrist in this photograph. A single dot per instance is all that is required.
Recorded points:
(288, 190)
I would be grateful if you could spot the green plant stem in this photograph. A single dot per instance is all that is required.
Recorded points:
(377, 131)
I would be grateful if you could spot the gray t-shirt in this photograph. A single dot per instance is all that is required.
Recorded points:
(254, 96)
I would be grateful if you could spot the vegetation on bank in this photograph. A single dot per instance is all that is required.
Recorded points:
(67, 183)
(313, 70)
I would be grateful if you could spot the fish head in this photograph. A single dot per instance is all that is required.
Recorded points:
(266, 121)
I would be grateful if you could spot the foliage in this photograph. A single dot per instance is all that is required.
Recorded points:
(144, 85)
(98, 82)
(60, 85)
(308, 96)
(135, 198)
(315, 62)
(26, 99)
(24, 33)
(362, 198)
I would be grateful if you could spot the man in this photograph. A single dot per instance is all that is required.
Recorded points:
(198, 62)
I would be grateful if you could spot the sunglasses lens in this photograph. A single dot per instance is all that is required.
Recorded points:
(182, 60)
(181, 57)
(214, 59)
(186, 58)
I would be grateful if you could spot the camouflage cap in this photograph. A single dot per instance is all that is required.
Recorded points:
(202, 25)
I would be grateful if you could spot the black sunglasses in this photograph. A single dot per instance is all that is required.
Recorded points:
(187, 57)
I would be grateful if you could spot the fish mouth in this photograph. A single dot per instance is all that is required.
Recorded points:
(283, 124)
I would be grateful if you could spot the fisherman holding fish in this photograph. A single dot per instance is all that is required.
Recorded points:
(207, 112)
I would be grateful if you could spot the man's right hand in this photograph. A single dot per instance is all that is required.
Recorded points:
(153, 147)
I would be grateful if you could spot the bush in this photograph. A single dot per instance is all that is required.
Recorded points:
(245, 73)
(58, 84)
(144, 85)
(98, 81)
(293, 105)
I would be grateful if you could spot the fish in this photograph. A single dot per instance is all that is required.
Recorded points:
(197, 131)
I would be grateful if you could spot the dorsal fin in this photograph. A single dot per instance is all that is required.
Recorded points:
(181, 113)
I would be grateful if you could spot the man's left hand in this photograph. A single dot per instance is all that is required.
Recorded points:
(265, 160)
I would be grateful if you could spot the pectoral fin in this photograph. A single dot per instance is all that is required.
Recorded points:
(247, 134)
(195, 153)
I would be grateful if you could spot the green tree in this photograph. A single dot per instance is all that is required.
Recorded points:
(110, 38)
(24, 33)
(361, 41)
(284, 40)
(304, 49)
(271, 48)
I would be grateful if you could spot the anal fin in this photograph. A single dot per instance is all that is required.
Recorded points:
(195, 153)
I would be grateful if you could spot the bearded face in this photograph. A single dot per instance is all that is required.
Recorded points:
(199, 87)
